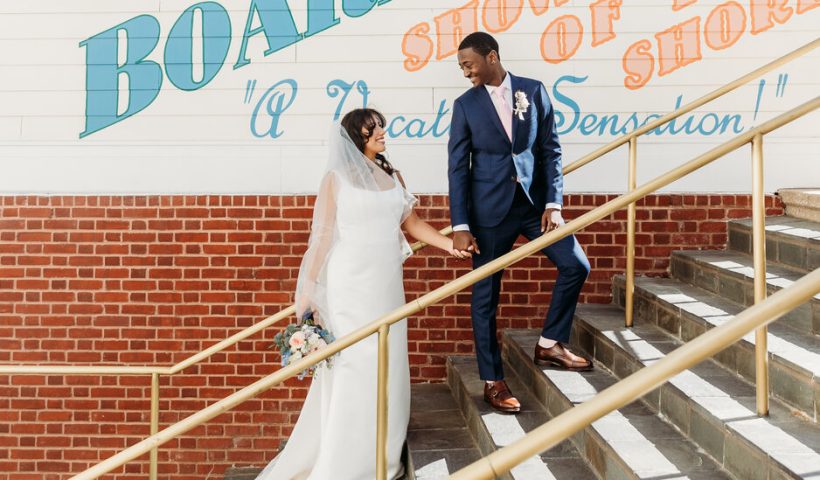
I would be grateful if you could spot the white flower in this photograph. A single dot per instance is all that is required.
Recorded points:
(521, 104)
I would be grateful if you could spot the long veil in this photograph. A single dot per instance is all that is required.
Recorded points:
(347, 166)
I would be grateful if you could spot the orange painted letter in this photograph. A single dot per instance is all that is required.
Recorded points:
(558, 3)
(500, 15)
(453, 25)
(603, 13)
(539, 7)
(561, 39)
(638, 63)
(417, 47)
(724, 26)
(764, 11)
(804, 6)
(678, 4)
(678, 46)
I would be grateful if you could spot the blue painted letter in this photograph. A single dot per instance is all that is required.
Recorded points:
(277, 23)
(103, 70)
(216, 39)
(277, 99)
(321, 16)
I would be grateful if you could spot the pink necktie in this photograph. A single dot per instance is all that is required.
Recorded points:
(503, 109)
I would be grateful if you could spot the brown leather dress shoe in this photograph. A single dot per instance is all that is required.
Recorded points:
(560, 356)
(499, 396)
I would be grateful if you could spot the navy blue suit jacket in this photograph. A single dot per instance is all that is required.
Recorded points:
(483, 164)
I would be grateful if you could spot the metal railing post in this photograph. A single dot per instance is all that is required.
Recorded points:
(759, 254)
(630, 234)
(154, 456)
(381, 409)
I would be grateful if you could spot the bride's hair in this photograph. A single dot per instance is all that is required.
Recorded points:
(366, 118)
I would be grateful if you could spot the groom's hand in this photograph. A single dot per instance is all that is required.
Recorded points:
(464, 240)
(551, 219)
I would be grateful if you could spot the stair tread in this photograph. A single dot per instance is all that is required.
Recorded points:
(560, 462)
(801, 351)
(790, 227)
(438, 441)
(642, 440)
(741, 266)
(790, 441)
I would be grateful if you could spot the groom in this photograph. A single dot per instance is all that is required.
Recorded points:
(506, 179)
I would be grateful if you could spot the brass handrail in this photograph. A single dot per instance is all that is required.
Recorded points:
(641, 382)
(569, 168)
(630, 138)
(381, 325)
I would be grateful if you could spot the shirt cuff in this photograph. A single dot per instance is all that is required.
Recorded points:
(461, 228)
(553, 205)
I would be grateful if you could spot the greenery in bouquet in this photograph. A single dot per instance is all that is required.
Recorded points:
(299, 340)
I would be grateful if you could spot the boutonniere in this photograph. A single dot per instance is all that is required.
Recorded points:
(521, 104)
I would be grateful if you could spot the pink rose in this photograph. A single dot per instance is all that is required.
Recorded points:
(297, 340)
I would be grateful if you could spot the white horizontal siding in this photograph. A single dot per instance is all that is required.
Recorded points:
(201, 141)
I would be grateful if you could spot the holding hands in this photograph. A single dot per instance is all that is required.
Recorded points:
(464, 245)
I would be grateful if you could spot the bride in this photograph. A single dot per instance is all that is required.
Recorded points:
(350, 276)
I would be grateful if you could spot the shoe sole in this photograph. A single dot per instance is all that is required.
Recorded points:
(560, 366)
(502, 410)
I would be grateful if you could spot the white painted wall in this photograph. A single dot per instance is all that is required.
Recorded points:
(201, 141)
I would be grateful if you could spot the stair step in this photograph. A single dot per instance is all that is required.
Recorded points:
(686, 312)
(632, 442)
(438, 441)
(712, 406)
(494, 430)
(793, 242)
(731, 275)
(801, 202)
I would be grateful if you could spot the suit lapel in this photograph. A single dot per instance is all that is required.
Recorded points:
(515, 84)
(487, 103)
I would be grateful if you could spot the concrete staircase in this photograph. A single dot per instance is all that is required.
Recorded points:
(702, 423)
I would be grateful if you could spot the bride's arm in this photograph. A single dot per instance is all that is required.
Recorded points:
(424, 232)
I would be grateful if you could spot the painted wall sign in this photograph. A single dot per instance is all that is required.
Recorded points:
(236, 96)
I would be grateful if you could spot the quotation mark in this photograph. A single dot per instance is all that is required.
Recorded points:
(782, 79)
(249, 90)
(781, 84)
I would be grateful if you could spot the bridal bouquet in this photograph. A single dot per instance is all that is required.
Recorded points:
(299, 340)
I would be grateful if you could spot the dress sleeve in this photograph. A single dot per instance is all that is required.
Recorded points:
(311, 286)
(409, 202)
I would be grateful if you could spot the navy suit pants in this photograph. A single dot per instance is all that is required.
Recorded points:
(567, 255)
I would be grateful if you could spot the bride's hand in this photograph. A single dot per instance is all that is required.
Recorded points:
(317, 319)
(460, 254)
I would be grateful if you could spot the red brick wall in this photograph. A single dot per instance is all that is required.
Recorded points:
(152, 280)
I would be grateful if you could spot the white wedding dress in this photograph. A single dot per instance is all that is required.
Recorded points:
(335, 436)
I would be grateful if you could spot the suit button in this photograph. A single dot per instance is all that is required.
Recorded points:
(513, 178)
